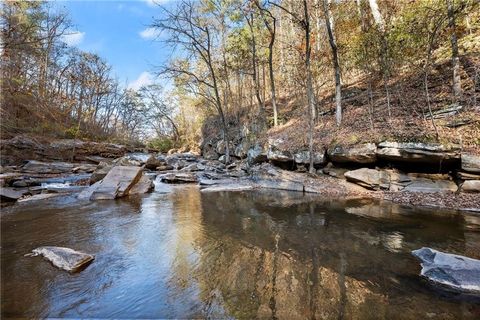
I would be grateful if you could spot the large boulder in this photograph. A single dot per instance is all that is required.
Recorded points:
(144, 185)
(470, 163)
(451, 270)
(430, 153)
(369, 178)
(118, 181)
(471, 186)
(303, 157)
(65, 258)
(362, 153)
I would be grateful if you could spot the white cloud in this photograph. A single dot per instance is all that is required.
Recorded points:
(150, 33)
(73, 38)
(144, 79)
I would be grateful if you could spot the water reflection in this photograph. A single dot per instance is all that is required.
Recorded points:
(270, 254)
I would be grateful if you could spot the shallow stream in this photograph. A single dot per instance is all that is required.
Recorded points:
(181, 253)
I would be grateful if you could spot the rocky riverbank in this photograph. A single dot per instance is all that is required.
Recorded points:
(409, 173)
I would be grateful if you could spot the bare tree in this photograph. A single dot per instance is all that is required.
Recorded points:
(191, 31)
(270, 23)
(304, 23)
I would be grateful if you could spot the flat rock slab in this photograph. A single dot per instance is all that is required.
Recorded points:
(451, 270)
(34, 166)
(118, 181)
(41, 196)
(231, 187)
(65, 258)
(178, 178)
(10, 194)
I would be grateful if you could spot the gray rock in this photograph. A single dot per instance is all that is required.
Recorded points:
(362, 153)
(303, 157)
(369, 178)
(34, 166)
(228, 187)
(144, 185)
(100, 172)
(431, 186)
(220, 148)
(280, 156)
(241, 150)
(470, 163)
(183, 177)
(256, 155)
(451, 270)
(468, 176)
(471, 186)
(117, 182)
(65, 258)
(418, 152)
(10, 194)
(41, 196)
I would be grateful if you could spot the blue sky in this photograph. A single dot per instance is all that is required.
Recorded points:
(119, 32)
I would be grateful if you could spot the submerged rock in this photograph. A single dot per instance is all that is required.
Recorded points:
(65, 258)
(451, 270)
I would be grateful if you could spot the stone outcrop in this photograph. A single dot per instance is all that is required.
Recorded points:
(303, 158)
(361, 153)
(18, 149)
(433, 153)
(471, 163)
(451, 270)
(65, 258)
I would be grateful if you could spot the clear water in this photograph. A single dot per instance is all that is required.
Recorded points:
(180, 253)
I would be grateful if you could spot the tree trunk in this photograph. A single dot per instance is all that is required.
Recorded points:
(310, 94)
(457, 84)
(336, 65)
